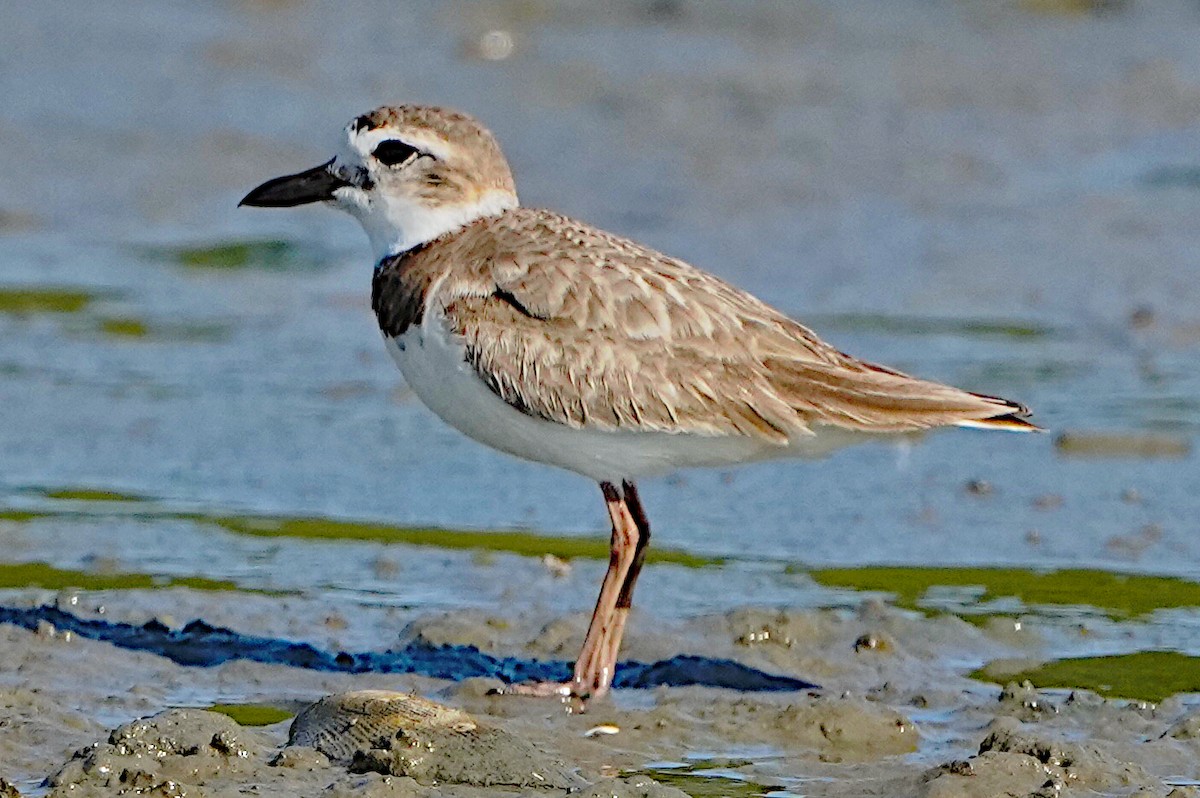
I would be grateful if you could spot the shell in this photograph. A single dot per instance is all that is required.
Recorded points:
(340, 725)
(399, 734)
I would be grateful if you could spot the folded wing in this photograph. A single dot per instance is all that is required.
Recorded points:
(590, 330)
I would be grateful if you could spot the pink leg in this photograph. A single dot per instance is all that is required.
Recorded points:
(598, 658)
(630, 535)
(612, 641)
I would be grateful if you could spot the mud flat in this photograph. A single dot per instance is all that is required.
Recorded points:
(897, 715)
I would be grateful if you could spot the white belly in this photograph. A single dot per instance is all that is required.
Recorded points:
(434, 365)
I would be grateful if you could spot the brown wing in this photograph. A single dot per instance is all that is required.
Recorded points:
(586, 329)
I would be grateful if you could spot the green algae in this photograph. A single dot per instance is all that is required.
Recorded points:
(269, 254)
(34, 300)
(133, 328)
(1145, 675)
(22, 516)
(1117, 595)
(77, 302)
(42, 575)
(709, 779)
(513, 542)
(124, 327)
(520, 542)
(92, 495)
(252, 714)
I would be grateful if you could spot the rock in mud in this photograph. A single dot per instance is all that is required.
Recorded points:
(166, 754)
(300, 757)
(989, 775)
(1187, 728)
(1086, 766)
(1023, 702)
(1014, 760)
(398, 734)
(7, 790)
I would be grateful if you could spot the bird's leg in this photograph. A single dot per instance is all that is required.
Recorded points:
(630, 533)
(634, 503)
(612, 642)
(597, 659)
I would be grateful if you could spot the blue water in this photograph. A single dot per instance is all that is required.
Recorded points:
(981, 197)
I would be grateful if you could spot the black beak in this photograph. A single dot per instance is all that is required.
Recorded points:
(314, 185)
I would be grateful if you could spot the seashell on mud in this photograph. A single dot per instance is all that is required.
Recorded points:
(404, 735)
(342, 724)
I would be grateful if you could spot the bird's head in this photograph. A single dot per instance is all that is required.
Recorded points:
(408, 173)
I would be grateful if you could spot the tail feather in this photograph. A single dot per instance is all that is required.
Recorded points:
(1015, 420)
(864, 396)
(1009, 421)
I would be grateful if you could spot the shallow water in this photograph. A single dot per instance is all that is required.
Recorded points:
(976, 192)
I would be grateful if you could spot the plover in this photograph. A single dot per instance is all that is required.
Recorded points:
(553, 341)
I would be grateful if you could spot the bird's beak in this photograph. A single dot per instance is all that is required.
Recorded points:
(314, 185)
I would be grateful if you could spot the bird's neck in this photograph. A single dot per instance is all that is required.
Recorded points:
(402, 224)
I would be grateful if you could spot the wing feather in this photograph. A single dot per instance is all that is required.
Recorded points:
(579, 327)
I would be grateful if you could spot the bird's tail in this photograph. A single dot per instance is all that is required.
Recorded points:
(1011, 416)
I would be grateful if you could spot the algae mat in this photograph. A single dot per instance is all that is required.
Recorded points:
(29, 300)
(47, 577)
(1120, 596)
(76, 502)
(1145, 675)
(252, 714)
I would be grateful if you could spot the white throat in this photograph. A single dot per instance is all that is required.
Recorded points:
(397, 224)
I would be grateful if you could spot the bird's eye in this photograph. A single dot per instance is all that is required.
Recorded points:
(393, 152)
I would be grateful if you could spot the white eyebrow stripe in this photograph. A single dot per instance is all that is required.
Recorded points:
(366, 141)
(432, 145)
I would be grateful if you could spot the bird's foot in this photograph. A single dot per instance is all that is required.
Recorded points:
(573, 694)
(537, 689)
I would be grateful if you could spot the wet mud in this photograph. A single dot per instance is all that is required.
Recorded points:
(202, 645)
(898, 715)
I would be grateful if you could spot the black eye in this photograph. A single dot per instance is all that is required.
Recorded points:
(393, 152)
